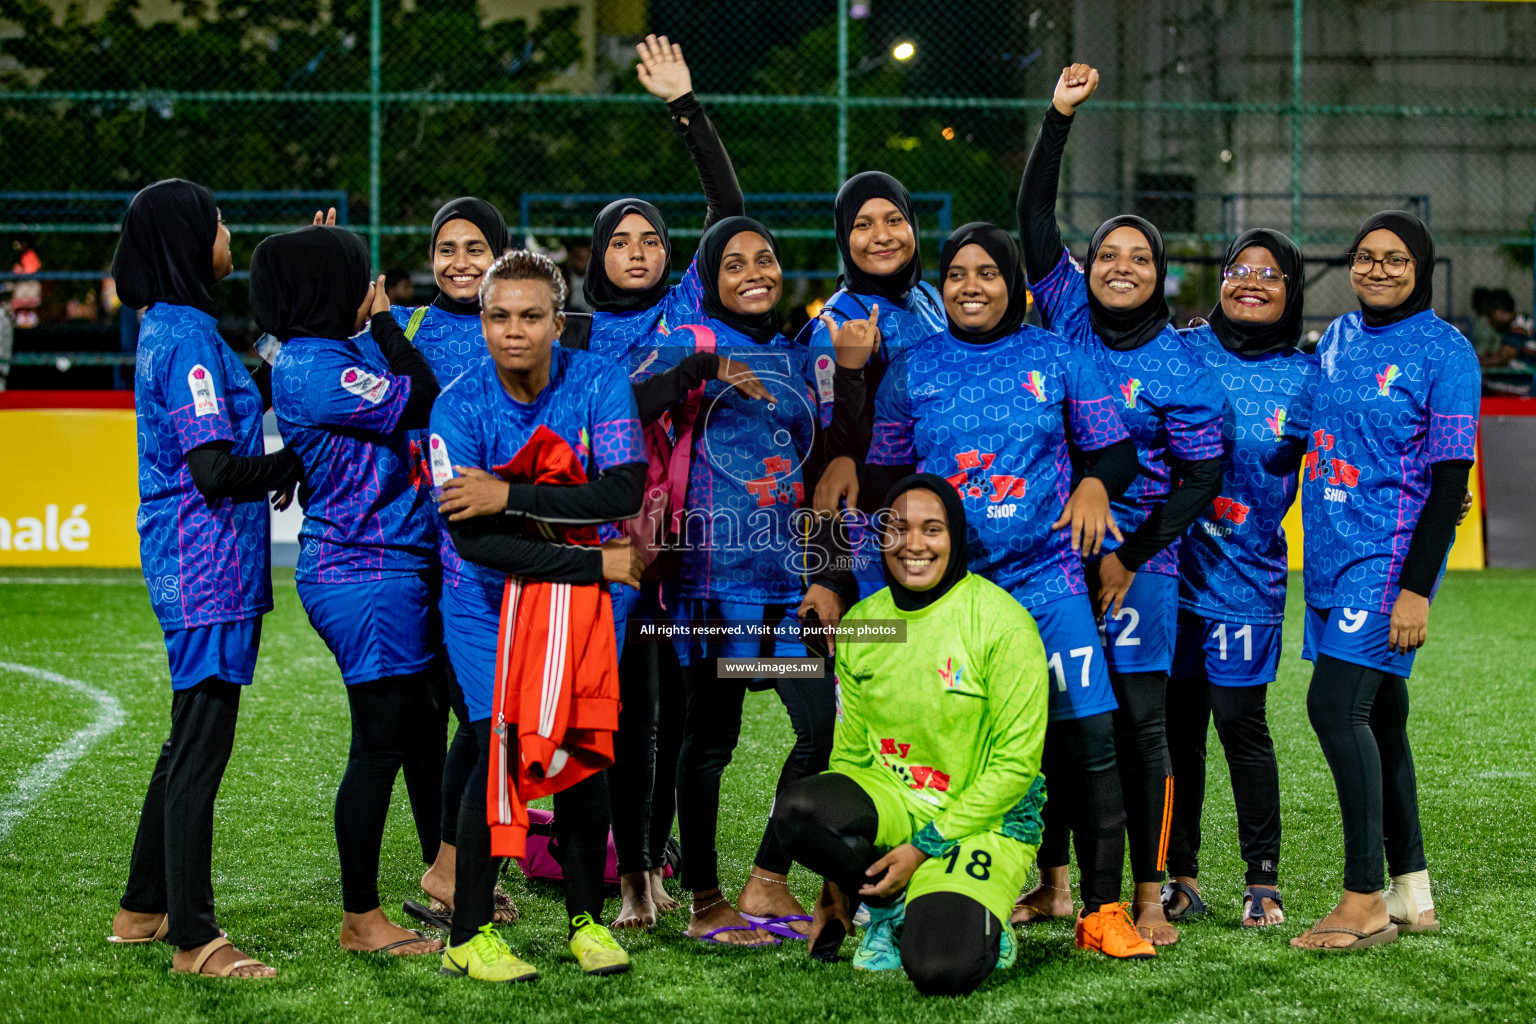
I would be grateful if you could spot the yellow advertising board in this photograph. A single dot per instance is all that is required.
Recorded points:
(75, 496)
(1466, 553)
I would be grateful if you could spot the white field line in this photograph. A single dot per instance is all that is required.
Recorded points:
(30, 789)
(80, 581)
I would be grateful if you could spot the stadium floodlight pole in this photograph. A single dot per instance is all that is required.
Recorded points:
(842, 93)
(375, 129)
(1296, 125)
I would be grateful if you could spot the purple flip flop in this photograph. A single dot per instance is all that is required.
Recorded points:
(708, 938)
(779, 926)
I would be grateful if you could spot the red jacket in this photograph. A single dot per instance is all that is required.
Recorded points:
(557, 674)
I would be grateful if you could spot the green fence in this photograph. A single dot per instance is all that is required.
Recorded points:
(1213, 116)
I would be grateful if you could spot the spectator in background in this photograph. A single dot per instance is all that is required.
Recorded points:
(26, 296)
(1498, 334)
(578, 255)
(398, 286)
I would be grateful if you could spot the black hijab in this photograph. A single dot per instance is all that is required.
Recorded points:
(909, 600)
(857, 191)
(760, 327)
(165, 252)
(308, 283)
(999, 245)
(1421, 247)
(1125, 329)
(602, 294)
(482, 215)
(1257, 339)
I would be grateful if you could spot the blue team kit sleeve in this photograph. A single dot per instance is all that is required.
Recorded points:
(343, 389)
(1455, 401)
(1063, 299)
(1090, 408)
(616, 437)
(196, 388)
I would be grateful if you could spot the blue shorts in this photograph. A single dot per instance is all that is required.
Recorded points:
(377, 629)
(1079, 679)
(471, 625)
(1226, 653)
(226, 650)
(779, 639)
(1356, 636)
(1140, 638)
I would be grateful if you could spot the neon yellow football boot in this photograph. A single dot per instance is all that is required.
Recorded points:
(486, 958)
(595, 948)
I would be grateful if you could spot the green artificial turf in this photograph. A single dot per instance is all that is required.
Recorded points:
(275, 874)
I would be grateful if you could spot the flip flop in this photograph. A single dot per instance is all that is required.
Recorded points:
(1196, 906)
(416, 936)
(160, 932)
(708, 938)
(780, 926)
(1362, 939)
(427, 916)
(1256, 895)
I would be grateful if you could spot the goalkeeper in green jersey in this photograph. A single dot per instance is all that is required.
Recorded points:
(930, 812)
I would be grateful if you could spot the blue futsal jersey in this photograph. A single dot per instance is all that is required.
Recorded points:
(900, 328)
(587, 402)
(1390, 402)
(204, 563)
(740, 541)
(367, 504)
(1166, 399)
(994, 419)
(616, 335)
(1233, 563)
(451, 343)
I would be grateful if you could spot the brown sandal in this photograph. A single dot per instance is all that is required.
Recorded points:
(226, 971)
(160, 933)
(1362, 939)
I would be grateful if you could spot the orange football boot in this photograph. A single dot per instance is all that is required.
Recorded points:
(1111, 931)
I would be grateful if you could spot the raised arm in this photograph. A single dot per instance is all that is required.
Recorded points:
(1038, 231)
(665, 74)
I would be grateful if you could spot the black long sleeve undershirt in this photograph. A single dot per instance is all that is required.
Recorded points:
(1039, 234)
(722, 192)
(406, 361)
(525, 556)
(262, 378)
(1114, 466)
(661, 392)
(1436, 528)
(1197, 485)
(853, 419)
(219, 474)
(614, 496)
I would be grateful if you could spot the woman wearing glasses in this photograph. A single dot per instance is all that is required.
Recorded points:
(1394, 426)
(1232, 569)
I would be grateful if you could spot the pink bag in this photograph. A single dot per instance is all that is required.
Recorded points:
(668, 459)
(542, 863)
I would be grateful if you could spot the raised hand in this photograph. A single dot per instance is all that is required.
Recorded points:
(326, 218)
(662, 69)
(856, 340)
(1076, 84)
(380, 303)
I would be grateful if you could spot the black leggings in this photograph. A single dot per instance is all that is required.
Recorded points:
(389, 719)
(949, 942)
(712, 726)
(1146, 776)
(1361, 718)
(1084, 805)
(580, 842)
(1244, 733)
(171, 871)
(643, 778)
(459, 763)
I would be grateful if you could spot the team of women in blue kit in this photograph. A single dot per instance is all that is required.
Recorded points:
(469, 465)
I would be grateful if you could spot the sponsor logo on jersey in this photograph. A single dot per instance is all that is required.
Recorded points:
(1276, 422)
(1341, 475)
(950, 673)
(646, 363)
(364, 385)
(442, 465)
(1229, 510)
(1035, 385)
(1130, 389)
(770, 489)
(1386, 378)
(918, 776)
(583, 444)
(824, 373)
(965, 462)
(205, 401)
